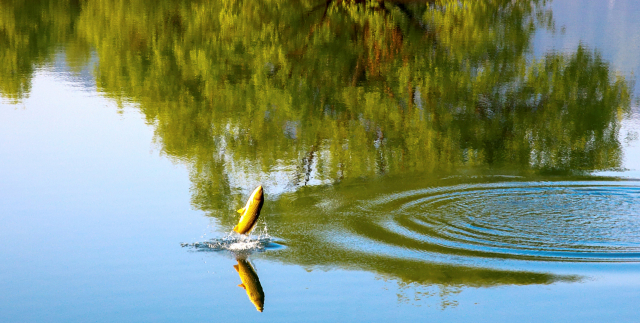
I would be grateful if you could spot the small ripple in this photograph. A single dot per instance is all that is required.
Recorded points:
(565, 221)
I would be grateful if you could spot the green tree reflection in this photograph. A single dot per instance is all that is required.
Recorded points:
(297, 92)
(30, 32)
(239, 90)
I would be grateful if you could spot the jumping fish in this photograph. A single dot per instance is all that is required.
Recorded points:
(250, 212)
(250, 283)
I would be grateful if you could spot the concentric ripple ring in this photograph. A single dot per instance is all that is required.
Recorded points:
(566, 221)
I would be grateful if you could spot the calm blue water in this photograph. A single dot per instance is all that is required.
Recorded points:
(94, 213)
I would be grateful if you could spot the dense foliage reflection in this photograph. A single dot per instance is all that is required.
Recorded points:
(292, 93)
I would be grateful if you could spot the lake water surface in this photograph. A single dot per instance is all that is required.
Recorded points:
(426, 160)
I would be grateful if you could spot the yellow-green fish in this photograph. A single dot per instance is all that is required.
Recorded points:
(250, 283)
(250, 212)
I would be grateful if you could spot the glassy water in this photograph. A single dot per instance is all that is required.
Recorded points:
(443, 160)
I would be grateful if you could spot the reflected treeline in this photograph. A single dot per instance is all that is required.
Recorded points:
(300, 92)
(30, 33)
(292, 93)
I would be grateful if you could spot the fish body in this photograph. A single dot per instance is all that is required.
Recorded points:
(250, 212)
(250, 283)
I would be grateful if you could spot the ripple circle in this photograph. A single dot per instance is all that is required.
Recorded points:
(570, 221)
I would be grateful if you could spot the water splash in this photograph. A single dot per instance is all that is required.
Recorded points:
(238, 243)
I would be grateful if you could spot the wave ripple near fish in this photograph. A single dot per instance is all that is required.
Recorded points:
(566, 221)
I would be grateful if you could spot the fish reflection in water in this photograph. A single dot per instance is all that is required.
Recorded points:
(250, 282)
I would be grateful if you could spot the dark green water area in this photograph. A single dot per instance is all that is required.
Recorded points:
(449, 161)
